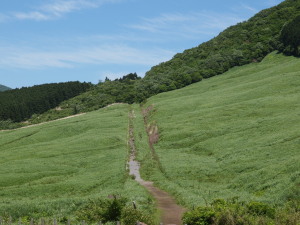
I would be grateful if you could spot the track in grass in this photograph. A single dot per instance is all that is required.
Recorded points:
(234, 135)
(171, 212)
(52, 169)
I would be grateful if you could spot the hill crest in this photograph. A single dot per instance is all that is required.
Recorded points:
(4, 88)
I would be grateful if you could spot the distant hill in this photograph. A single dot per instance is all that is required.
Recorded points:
(4, 88)
(235, 135)
(20, 104)
(246, 42)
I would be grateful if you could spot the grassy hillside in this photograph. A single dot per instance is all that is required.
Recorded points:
(231, 135)
(246, 42)
(52, 169)
(4, 88)
(20, 104)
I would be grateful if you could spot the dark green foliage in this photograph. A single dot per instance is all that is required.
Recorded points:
(238, 45)
(261, 209)
(4, 88)
(244, 43)
(101, 210)
(91, 211)
(113, 210)
(199, 216)
(131, 216)
(290, 38)
(127, 78)
(222, 212)
(20, 104)
(8, 124)
(110, 210)
(105, 93)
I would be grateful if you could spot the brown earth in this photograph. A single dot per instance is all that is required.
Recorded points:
(171, 213)
(58, 109)
(38, 124)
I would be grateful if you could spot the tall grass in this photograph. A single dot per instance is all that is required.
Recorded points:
(232, 135)
(52, 169)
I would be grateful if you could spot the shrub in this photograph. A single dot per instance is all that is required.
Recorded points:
(199, 216)
(101, 210)
(261, 209)
(230, 212)
(131, 216)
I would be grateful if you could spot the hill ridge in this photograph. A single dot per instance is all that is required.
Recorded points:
(4, 88)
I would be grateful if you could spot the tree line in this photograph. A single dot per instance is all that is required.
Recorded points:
(290, 38)
(244, 43)
(19, 104)
(272, 29)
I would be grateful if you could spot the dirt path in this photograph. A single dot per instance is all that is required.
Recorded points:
(64, 118)
(171, 212)
(38, 124)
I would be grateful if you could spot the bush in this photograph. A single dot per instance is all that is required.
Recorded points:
(101, 210)
(131, 216)
(199, 216)
(289, 37)
(261, 209)
(222, 212)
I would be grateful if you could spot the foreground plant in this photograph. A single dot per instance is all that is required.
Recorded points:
(221, 212)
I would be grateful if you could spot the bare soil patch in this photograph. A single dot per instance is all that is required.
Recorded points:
(171, 211)
(34, 125)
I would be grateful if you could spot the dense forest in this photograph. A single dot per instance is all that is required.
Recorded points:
(19, 104)
(3, 88)
(290, 38)
(272, 29)
(120, 90)
(238, 45)
(241, 44)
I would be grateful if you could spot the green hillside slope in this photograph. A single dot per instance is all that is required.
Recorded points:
(231, 135)
(20, 104)
(52, 169)
(4, 88)
(246, 42)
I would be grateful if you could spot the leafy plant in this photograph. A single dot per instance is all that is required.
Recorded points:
(199, 216)
(290, 37)
(261, 209)
(101, 210)
(130, 216)
(229, 212)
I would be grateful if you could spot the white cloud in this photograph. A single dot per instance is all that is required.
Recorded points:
(249, 8)
(273, 2)
(128, 37)
(38, 16)
(59, 8)
(187, 25)
(109, 54)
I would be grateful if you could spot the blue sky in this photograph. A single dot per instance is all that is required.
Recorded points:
(46, 41)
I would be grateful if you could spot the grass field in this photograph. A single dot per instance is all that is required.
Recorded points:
(235, 135)
(232, 135)
(51, 169)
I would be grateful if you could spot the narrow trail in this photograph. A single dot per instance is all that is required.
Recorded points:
(39, 124)
(171, 212)
(64, 118)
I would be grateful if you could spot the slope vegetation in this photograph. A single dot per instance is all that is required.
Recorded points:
(4, 88)
(238, 45)
(241, 44)
(231, 135)
(20, 104)
(54, 168)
